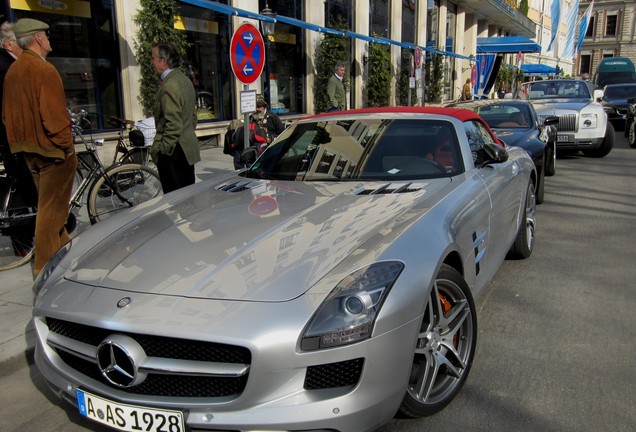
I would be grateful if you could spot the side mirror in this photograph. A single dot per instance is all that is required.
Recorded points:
(551, 120)
(598, 95)
(491, 153)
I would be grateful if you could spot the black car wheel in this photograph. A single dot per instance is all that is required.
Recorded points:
(606, 145)
(540, 190)
(524, 242)
(550, 166)
(631, 135)
(445, 346)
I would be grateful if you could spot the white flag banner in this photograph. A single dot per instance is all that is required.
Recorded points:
(583, 25)
(570, 21)
(555, 16)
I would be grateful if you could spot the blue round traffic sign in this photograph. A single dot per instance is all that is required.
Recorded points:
(247, 53)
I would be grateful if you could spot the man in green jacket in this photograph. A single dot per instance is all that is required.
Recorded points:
(175, 148)
(335, 89)
(38, 125)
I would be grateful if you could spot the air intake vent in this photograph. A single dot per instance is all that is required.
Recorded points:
(388, 188)
(237, 186)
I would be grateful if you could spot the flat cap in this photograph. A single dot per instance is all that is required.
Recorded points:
(28, 26)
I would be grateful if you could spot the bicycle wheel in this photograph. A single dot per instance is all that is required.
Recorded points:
(16, 240)
(121, 187)
(138, 155)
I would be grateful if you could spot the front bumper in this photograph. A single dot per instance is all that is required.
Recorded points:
(275, 397)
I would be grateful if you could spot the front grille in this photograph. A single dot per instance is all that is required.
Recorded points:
(332, 375)
(567, 122)
(165, 384)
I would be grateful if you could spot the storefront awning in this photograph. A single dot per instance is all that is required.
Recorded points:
(507, 44)
(537, 70)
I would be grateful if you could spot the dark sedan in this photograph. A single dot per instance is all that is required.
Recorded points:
(630, 123)
(615, 102)
(517, 124)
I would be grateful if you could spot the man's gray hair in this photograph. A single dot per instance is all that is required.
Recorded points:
(6, 33)
(170, 52)
(340, 65)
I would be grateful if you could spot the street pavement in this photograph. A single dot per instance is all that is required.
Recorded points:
(16, 331)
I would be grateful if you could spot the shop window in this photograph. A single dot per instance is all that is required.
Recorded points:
(408, 21)
(207, 62)
(379, 18)
(283, 79)
(85, 53)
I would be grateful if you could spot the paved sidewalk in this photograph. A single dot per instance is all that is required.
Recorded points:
(16, 332)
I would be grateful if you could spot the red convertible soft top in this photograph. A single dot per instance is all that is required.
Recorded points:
(458, 113)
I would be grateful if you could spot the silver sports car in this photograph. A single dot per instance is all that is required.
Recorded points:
(327, 287)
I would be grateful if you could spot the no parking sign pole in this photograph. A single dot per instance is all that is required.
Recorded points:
(247, 58)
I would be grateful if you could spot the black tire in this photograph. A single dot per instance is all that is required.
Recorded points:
(550, 166)
(606, 145)
(121, 187)
(540, 192)
(524, 242)
(631, 134)
(445, 346)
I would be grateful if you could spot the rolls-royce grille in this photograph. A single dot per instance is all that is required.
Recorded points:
(172, 384)
(567, 122)
(332, 375)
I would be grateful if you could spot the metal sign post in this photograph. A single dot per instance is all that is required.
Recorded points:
(247, 58)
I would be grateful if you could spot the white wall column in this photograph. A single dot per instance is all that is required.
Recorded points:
(127, 29)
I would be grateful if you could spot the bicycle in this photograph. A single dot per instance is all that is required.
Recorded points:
(110, 189)
(137, 148)
(17, 222)
(113, 188)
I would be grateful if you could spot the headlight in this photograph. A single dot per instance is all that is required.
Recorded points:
(48, 270)
(588, 121)
(347, 315)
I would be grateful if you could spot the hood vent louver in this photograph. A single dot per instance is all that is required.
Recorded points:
(237, 186)
(387, 189)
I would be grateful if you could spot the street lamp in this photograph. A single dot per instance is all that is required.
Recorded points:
(267, 27)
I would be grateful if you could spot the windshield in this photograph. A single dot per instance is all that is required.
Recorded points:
(619, 92)
(556, 89)
(505, 116)
(367, 148)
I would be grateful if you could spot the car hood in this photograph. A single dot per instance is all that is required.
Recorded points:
(513, 136)
(616, 102)
(549, 107)
(243, 239)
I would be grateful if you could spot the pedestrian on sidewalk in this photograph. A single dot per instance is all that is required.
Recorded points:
(37, 123)
(268, 120)
(14, 164)
(175, 148)
(335, 89)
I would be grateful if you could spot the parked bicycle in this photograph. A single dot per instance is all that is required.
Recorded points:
(133, 141)
(110, 189)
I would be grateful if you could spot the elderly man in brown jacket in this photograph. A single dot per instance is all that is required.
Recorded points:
(38, 125)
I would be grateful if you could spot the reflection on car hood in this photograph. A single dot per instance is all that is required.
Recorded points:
(616, 102)
(542, 107)
(260, 241)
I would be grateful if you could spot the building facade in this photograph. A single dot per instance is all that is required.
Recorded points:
(94, 45)
(610, 33)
